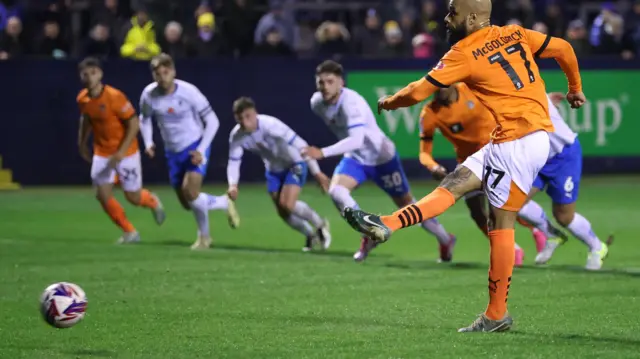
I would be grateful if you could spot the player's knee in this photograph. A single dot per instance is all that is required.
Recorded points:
(563, 217)
(190, 193)
(460, 182)
(285, 205)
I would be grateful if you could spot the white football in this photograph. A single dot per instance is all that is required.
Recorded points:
(63, 304)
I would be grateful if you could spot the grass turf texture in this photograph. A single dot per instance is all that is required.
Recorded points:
(256, 295)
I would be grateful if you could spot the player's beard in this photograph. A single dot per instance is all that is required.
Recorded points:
(455, 34)
(331, 97)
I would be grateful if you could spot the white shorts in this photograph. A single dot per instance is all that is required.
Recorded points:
(508, 169)
(129, 171)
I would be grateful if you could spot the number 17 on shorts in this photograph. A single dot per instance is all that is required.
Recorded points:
(510, 169)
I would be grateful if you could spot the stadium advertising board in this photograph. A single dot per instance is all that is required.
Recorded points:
(607, 124)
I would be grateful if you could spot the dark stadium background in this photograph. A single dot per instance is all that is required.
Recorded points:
(264, 49)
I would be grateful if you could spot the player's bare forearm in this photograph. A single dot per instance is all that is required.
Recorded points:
(427, 161)
(426, 157)
(412, 94)
(84, 131)
(133, 126)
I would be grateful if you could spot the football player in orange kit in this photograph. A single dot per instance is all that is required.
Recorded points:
(107, 113)
(497, 63)
(466, 123)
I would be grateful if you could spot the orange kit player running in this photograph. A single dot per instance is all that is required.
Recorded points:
(466, 123)
(497, 63)
(107, 113)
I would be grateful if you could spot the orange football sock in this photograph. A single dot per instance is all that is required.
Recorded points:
(147, 200)
(500, 270)
(116, 213)
(525, 223)
(432, 205)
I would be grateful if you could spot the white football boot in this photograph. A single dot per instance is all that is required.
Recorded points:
(129, 237)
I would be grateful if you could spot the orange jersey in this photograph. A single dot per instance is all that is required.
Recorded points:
(497, 63)
(106, 114)
(466, 123)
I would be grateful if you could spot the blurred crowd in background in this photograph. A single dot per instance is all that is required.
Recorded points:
(140, 29)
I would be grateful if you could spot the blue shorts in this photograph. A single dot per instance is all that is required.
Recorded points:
(296, 175)
(389, 176)
(179, 163)
(561, 175)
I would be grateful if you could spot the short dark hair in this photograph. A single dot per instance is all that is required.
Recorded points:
(330, 66)
(89, 62)
(242, 104)
(161, 60)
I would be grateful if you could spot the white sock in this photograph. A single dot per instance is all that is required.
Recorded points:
(433, 226)
(517, 246)
(300, 225)
(304, 211)
(534, 214)
(581, 229)
(200, 209)
(216, 202)
(341, 197)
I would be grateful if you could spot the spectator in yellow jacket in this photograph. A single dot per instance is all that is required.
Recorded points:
(140, 41)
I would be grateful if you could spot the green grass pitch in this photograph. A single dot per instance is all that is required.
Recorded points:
(256, 295)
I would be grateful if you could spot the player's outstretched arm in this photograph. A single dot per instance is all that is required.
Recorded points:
(412, 94)
(356, 110)
(351, 143)
(452, 68)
